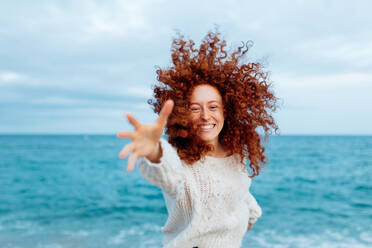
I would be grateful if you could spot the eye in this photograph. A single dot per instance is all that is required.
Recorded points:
(195, 109)
(213, 107)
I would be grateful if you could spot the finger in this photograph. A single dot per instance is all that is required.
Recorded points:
(250, 226)
(165, 112)
(133, 121)
(125, 134)
(132, 159)
(126, 150)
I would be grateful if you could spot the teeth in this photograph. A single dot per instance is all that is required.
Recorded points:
(207, 127)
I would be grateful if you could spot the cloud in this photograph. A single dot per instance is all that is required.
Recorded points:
(100, 56)
(331, 81)
(8, 77)
(351, 54)
(324, 104)
(337, 92)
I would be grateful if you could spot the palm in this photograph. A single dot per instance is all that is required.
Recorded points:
(145, 137)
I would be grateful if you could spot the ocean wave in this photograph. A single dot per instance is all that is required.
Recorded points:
(327, 239)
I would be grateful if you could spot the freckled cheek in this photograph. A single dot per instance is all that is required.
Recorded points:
(194, 117)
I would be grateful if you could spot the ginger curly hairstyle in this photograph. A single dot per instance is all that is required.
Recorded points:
(245, 89)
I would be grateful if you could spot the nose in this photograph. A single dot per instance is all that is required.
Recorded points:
(205, 114)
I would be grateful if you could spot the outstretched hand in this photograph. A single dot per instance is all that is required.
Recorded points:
(250, 226)
(145, 138)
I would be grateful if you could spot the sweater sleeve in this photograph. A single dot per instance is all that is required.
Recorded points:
(167, 174)
(255, 210)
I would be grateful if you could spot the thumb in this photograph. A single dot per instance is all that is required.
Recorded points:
(165, 112)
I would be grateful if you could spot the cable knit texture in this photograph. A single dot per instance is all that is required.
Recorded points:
(208, 203)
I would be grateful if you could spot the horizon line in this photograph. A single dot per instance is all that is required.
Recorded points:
(114, 134)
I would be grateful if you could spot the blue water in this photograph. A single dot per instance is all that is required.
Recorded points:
(73, 191)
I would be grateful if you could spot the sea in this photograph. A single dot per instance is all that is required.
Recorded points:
(72, 191)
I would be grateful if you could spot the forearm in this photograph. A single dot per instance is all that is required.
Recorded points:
(167, 172)
(155, 155)
(255, 209)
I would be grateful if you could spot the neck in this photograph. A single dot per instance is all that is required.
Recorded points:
(218, 150)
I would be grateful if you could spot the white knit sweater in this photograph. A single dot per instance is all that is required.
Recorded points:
(208, 203)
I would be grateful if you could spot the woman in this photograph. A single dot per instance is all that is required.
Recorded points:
(210, 106)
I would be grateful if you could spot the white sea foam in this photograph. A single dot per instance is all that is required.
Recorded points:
(63, 242)
(150, 243)
(123, 235)
(28, 226)
(10, 245)
(328, 239)
(23, 224)
(118, 239)
(53, 245)
(79, 233)
(366, 237)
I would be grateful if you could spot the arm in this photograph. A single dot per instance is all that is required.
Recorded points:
(145, 138)
(166, 172)
(255, 210)
(158, 161)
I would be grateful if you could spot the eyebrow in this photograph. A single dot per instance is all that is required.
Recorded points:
(207, 102)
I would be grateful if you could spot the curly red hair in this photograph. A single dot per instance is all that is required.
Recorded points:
(245, 89)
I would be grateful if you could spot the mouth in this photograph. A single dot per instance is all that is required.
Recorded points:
(207, 127)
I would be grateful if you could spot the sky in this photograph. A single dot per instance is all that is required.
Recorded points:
(70, 67)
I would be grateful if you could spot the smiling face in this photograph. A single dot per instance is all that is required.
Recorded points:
(207, 112)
